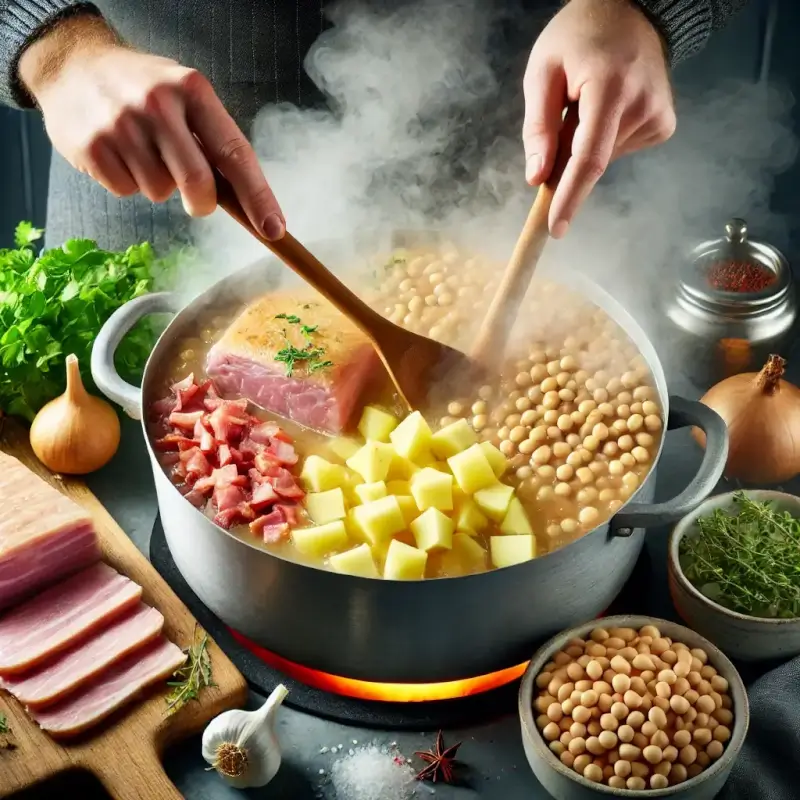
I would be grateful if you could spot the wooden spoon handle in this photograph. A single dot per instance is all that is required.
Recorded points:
(304, 263)
(502, 314)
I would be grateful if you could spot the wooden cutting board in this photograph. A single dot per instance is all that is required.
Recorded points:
(125, 752)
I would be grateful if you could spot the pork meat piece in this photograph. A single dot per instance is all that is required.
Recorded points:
(57, 678)
(61, 616)
(44, 535)
(113, 689)
(245, 361)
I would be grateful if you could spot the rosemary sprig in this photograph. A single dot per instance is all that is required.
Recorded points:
(311, 355)
(748, 561)
(4, 724)
(194, 675)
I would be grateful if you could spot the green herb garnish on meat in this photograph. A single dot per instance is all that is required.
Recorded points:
(311, 355)
(747, 561)
(54, 303)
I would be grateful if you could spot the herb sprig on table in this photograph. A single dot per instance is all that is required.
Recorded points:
(747, 561)
(311, 355)
(54, 303)
(194, 675)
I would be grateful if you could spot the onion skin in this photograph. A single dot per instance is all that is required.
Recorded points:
(762, 412)
(76, 433)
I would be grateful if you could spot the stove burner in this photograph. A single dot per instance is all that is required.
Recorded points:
(326, 696)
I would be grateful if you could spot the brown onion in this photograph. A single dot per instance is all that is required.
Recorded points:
(762, 412)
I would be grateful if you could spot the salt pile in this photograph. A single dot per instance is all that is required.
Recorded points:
(373, 773)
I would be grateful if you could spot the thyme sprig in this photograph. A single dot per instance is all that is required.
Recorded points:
(311, 355)
(4, 724)
(193, 676)
(747, 561)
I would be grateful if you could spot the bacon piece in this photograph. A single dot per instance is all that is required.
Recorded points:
(115, 688)
(62, 615)
(272, 527)
(282, 452)
(66, 672)
(290, 513)
(243, 512)
(263, 495)
(286, 486)
(173, 441)
(264, 431)
(198, 466)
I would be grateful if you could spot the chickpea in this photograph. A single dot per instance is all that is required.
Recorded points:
(652, 422)
(569, 525)
(588, 516)
(523, 379)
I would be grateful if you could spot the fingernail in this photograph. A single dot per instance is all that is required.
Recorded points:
(560, 229)
(273, 227)
(533, 166)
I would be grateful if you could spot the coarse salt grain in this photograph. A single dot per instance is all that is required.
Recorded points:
(373, 773)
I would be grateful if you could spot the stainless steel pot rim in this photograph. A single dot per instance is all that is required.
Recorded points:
(684, 528)
(542, 656)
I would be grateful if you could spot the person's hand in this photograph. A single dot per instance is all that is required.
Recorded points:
(606, 56)
(140, 123)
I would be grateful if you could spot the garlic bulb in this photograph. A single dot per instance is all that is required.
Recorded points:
(76, 433)
(242, 746)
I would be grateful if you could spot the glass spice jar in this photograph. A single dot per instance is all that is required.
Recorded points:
(733, 305)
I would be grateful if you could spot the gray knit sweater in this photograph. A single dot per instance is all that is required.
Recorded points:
(252, 51)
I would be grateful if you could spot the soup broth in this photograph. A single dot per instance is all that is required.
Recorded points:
(573, 407)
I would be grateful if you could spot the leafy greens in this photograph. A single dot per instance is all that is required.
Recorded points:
(54, 303)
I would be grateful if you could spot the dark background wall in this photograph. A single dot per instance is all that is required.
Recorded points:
(758, 44)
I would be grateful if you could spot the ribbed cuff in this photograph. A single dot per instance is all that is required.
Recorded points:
(22, 22)
(684, 24)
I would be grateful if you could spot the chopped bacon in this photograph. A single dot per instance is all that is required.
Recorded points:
(216, 451)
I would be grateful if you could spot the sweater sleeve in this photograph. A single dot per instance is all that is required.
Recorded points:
(21, 22)
(687, 24)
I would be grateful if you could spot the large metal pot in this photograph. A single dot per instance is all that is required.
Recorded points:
(395, 631)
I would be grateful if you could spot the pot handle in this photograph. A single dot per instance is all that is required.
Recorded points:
(682, 414)
(104, 373)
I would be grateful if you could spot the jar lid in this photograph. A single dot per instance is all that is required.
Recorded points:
(735, 269)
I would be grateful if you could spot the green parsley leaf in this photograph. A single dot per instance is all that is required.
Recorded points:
(25, 234)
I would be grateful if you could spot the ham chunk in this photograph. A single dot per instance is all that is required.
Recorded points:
(44, 535)
(244, 362)
(114, 688)
(62, 675)
(62, 616)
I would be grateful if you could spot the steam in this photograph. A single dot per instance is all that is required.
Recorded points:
(425, 132)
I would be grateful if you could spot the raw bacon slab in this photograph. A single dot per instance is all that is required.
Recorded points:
(113, 689)
(243, 362)
(44, 535)
(59, 677)
(62, 615)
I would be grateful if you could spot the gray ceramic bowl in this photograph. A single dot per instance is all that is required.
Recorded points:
(742, 637)
(563, 783)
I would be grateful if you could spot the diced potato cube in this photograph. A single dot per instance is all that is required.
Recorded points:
(353, 526)
(453, 439)
(321, 539)
(472, 469)
(404, 563)
(441, 466)
(358, 561)
(320, 475)
(398, 488)
(516, 520)
(467, 556)
(344, 447)
(512, 549)
(327, 506)
(433, 530)
(469, 518)
(498, 461)
(432, 489)
(372, 461)
(408, 505)
(412, 437)
(401, 469)
(494, 500)
(367, 492)
(380, 519)
(376, 424)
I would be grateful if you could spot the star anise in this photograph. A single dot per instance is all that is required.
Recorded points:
(440, 762)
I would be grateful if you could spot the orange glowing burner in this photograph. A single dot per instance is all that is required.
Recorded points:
(383, 692)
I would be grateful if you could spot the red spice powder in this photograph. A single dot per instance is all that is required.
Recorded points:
(739, 276)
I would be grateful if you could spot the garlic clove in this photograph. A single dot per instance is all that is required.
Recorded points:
(76, 433)
(243, 746)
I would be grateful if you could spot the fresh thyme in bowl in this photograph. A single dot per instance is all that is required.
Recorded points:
(747, 561)
(194, 675)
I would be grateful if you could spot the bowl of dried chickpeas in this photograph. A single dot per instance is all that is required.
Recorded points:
(631, 706)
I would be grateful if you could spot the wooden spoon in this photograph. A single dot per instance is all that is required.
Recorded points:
(414, 363)
(496, 327)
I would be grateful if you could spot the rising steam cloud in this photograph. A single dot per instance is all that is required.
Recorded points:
(425, 131)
